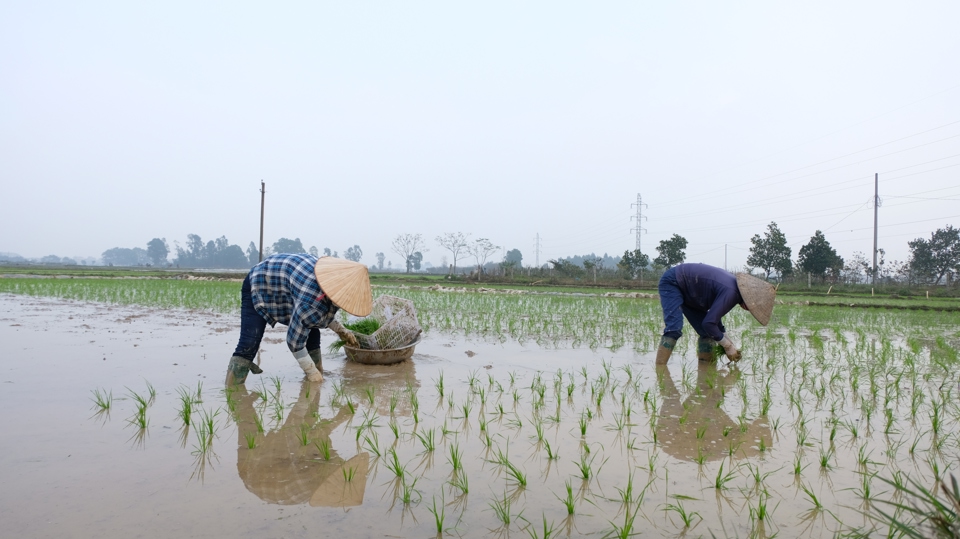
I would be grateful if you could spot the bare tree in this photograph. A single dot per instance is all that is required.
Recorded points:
(481, 249)
(407, 244)
(456, 243)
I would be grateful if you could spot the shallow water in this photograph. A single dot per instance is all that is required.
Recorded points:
(70, 472)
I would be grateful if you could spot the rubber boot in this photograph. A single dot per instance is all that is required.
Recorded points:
(317, 359)
(706, 349)
(665, 349)
(237, 370)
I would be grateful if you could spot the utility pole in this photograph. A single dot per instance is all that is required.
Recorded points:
(536, 250)
(876, 206)
(639, 203)
(724, 257)
(263, 196)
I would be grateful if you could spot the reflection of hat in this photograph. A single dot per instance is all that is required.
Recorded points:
(758, 295)
(337, 491)
(346, 283)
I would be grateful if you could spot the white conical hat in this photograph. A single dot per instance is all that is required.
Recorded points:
(346, 283)
(758, 295)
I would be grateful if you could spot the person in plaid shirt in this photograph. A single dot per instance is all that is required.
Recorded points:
(304, 293)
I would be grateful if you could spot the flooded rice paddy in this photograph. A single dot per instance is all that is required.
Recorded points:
(525, 416)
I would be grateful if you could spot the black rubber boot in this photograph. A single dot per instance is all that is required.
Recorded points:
(237, 370)
(317, 359)
(706, 349)
(665, 349)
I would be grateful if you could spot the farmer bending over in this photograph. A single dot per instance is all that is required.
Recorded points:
(704, 294)
(303, 293)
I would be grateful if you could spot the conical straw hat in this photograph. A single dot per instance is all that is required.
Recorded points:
(346, 283)
(758, 295)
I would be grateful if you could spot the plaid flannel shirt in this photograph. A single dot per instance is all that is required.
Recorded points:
(284, 289)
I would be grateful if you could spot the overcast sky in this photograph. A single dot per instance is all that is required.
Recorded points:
(125, 121)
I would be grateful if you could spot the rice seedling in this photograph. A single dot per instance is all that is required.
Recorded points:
(349, 472)
(721, 480)
(824, 460)
(585, 467)
(460, 482)
(439, 515)
(392, 463)
(258, 421)
(323, 446)
(817, 504)
(251, 440)
(516, 475)
(551, 454)
(102, 399)
(303, 435)
(151, 391)
(394, 428)
(427, 439)
(372, 443)
(371, 393)
(502, 508)
(685, 516)
(455, 457)
(548, 530)
(930, 513)
(409, 493)
(569, 502)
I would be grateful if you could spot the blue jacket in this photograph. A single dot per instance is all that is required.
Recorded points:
(711, 290)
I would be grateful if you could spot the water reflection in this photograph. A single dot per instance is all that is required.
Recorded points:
(697, 427)
(296, 462)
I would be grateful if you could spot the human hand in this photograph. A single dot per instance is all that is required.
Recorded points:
(730, 349)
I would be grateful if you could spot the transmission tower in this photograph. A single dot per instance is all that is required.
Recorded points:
(639, 216)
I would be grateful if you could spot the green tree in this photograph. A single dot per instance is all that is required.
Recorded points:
(937, 258)
(380, 259)
(632, 263)
(414, 260)
(514, 256)
(353, 253)
(157, 250)
(253, 254)
(771, 253)
(121, 256)
(286, 245)
(566, 268)
(817, 257)
(671, 251)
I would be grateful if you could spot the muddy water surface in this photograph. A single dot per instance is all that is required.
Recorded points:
(293, 459)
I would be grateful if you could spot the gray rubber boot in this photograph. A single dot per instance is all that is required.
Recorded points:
(317, 359)
(706, 349)
(665, 349)
(237, 370)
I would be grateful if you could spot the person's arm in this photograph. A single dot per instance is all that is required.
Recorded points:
(724, 303)
(297, 343)
(346, 335)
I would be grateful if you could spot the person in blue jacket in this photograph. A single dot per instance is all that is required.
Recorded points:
(703, 294)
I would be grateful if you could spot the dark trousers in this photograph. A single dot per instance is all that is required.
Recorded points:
(252, 326)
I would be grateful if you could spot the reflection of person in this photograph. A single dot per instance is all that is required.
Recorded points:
(703, 294)
(280, 469)
(706, 431)
(303, 293)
